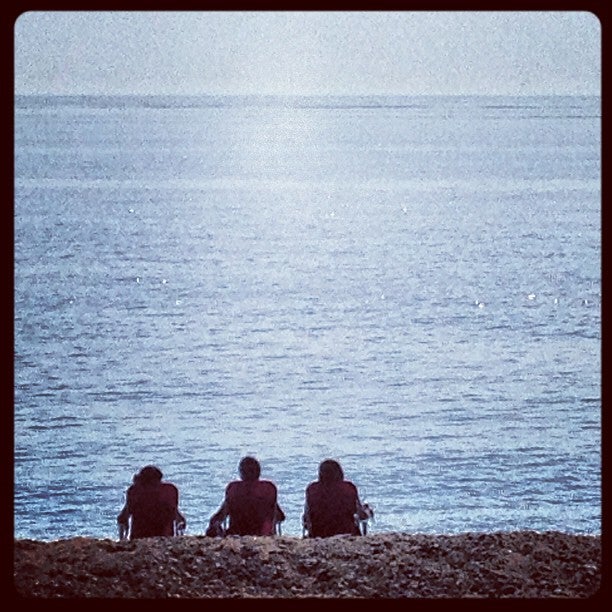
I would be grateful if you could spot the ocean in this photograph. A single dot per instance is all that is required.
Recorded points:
(409, 285)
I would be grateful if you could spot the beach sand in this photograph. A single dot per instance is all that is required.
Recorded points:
(523, 564)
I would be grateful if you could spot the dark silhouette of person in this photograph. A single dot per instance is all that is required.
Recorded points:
(152, 506)
(332, 504)
(250, 503)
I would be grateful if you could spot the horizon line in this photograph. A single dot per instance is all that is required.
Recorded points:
(301, 94)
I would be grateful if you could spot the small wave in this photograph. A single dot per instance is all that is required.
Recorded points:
(313, 385)
(590, 400)
(54, 426)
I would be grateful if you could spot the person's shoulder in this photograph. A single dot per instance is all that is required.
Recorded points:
(349, 486)
(169, 492)
(133, 490)
(267, 484)
(231, 486)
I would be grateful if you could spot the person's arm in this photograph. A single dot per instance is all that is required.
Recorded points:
(216, 521)
(123, 516)
(180, 521)
(220, 515)
(123, 519)
(123, 523)
(279, 515)
(306, 523)
(364, 511)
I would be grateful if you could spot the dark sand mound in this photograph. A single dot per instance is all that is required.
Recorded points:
(513, 564)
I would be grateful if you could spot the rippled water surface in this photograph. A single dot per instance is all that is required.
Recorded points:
(409, 285)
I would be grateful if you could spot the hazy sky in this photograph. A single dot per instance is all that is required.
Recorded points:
(317, 52)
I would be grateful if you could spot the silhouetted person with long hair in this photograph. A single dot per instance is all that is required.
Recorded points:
(250, 503)
(152, 506)
(332, 504)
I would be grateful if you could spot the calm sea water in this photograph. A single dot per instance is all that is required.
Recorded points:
(409, 285)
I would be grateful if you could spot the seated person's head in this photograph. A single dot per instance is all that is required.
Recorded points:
(249, 468)
(330, 471)
(149, 475)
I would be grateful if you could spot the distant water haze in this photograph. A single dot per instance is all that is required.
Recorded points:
(309, 52)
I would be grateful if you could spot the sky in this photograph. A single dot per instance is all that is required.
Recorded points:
(288, 52)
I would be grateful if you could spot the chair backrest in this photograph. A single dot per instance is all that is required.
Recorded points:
(251, 507)
(153, 510)
(332, 509)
